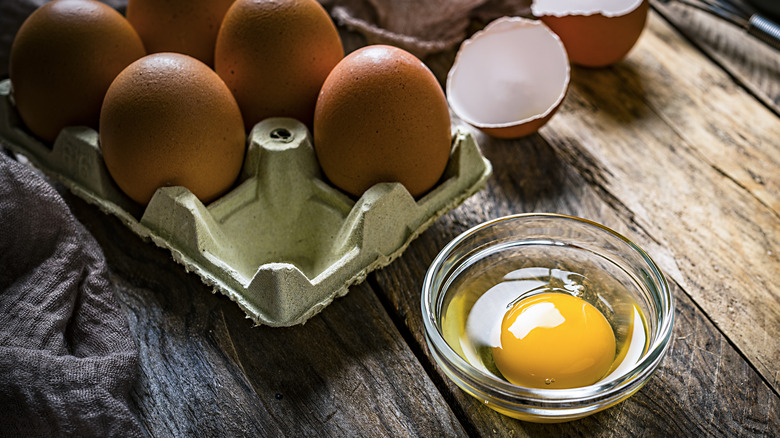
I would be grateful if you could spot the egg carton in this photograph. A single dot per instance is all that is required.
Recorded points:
(283, 243)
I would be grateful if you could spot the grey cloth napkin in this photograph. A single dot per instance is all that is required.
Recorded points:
(67, 358)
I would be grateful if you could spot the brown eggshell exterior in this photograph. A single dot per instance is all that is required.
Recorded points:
(596, 40)
(63, 60)
(382, 117)
(275, 56)
(519, 130)
(169, 120)
(183, 26)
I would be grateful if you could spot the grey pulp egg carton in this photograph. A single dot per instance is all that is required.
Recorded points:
(282, 243)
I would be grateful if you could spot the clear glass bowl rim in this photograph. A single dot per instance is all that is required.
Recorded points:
(545, 402)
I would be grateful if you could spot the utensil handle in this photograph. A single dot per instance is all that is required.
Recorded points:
(764, 29)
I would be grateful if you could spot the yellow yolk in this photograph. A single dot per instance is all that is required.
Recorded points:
(554, 340)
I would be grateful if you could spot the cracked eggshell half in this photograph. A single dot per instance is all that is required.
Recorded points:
(596, 33)
(509, 78)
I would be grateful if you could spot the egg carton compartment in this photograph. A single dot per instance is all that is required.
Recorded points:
(283, 243)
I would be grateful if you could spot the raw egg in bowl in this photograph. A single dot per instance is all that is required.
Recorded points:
(545, 317)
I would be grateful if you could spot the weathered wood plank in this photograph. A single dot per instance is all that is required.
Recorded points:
(205, 370)
(347, 372)
(693, 392)
(720, 122)
(639, 149)
(682, 399)
(749, 61)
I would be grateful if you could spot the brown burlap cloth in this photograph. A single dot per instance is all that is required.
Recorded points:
(67, 358)
(422, 27)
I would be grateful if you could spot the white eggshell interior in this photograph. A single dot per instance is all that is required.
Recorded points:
(560, 8)
(512, 71)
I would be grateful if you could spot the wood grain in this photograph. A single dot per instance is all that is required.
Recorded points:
(692, 392)
(729, 131)
(643, 154)
(750, 62)
(627, 146)
(205, 370)
(674, 148)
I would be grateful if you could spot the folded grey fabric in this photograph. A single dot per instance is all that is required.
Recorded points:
(67, 358)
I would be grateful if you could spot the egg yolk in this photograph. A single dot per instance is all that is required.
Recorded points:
(554, 340)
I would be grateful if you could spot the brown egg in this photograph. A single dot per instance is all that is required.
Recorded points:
(62, 61)
(182, 26)
(382, 117)
(169, 120)
(275, 55)
(596, 33)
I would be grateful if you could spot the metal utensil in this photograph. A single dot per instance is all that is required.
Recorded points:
(740, 15)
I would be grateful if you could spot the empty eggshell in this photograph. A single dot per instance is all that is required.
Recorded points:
(596, 33)
(509, 78)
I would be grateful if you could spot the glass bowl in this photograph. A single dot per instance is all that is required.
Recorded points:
(461, 307)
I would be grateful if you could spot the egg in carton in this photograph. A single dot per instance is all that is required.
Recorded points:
(283, 243)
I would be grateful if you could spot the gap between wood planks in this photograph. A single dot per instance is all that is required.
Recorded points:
(624, 212)
(585, 164)
(603, 134)
(738, 79)
(620, 210)
(426, 362)
(664, 13)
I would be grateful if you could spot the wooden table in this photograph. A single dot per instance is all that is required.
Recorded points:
(677, 147)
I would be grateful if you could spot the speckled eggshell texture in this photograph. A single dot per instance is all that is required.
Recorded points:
(183, 26)
(169, 120)
(275, 55)
(382, 117)
(63, 60)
